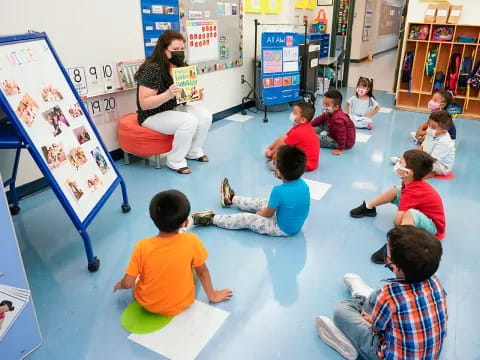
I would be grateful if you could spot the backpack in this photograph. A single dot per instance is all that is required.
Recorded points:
(465, 72)
(453, 70)
(431, 62)
(439, 80)
(407, 68)
(472, 82)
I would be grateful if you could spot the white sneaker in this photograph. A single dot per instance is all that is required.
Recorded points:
(394, 159)
(335, 338)
(357, 286)
(413, 136)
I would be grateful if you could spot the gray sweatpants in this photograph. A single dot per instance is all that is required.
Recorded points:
(249, 220)
(325, 140)
(361, 122)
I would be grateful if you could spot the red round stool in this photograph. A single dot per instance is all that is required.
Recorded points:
(138, 140)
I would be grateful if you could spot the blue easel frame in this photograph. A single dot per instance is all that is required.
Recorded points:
(81, 226)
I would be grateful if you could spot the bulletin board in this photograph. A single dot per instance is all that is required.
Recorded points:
(390, 19)
(35, 92)
(158, 16)
(214, 33)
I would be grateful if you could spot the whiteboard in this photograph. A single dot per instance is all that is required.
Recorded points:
(62, 135)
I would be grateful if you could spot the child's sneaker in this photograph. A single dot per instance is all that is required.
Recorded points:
(226, 193)
(357, 286)
(394, 159)
(413, 136)
(335, 338)
(362, 211)
(378, 257)
(370, 126)
(272, 164)
(203, 217)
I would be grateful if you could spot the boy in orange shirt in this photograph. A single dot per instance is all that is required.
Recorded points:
(163, 263)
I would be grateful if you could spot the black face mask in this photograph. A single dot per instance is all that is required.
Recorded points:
(389, 267)
(178, 58)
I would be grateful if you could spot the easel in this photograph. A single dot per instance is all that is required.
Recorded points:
(16, 136)
(256, 96)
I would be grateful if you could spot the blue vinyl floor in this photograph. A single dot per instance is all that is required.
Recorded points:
(280, 284)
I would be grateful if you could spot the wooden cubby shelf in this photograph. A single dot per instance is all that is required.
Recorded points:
(421, 85)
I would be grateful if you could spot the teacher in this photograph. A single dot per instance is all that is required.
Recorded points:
(157, 106)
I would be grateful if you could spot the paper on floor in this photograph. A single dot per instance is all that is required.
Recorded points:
(239, 117)
(317, 188)
(385, 110)
(362, 137)
(187, 334)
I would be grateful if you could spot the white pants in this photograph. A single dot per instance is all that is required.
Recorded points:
(189, 126)
(249, 220)
(440, 169)
(361, 122)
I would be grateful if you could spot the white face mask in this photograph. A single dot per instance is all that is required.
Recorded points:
(327, 109)
(292, 118)
(431, 132)
(362, 91)
(398, 167)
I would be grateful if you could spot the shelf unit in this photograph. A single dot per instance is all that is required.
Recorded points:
(422, 85)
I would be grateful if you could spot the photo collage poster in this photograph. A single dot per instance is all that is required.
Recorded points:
(45, 106)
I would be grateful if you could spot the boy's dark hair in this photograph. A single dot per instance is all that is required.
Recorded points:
(335, 96)
(419, 162)
(8, 303)
(443, 118)
(415, 251)
(169, 210)
(291, 162)
(307, 110)
(447, 97)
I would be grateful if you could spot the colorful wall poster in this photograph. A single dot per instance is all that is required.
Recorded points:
(186, 78)
(280, 68)
(253, 6)
(305, 4)
(272, 6)
(202, 38)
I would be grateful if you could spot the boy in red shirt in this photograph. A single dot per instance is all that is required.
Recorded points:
(300, 135)
(335, 128)
(418, 202)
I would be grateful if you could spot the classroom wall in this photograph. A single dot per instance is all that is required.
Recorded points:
(360, 48)
(97, 32)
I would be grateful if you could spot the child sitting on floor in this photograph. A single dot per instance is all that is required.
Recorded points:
(418, 202)
(300, 135)
(282, 215)
(363, 106)
(438, 144)
(407, 318)
(160, 269)
(441, 100)
(334, 127)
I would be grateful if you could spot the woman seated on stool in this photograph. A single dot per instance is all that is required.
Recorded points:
(157, 104)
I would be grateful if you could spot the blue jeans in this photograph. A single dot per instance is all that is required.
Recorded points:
(348, 318)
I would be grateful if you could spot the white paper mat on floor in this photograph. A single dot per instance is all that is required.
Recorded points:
(385, 110)
(239, 117)
(317, 188)
(187, 334)
(362, 137)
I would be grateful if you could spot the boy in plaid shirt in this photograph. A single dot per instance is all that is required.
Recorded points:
(407, 318)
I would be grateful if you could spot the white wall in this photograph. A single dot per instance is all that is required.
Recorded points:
(360, 48)
(93, 32)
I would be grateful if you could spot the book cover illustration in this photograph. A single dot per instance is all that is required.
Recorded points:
(186, 78)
